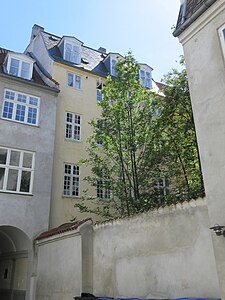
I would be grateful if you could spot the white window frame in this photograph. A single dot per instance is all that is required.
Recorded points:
(98, 91)
(144, 79)
(20, 101)
(162, 185)
(19, 168)
(75, 80)
(113, 66)
(72, 127)
(21, 60)
(221, 32)
(74, 53)
(71, 188)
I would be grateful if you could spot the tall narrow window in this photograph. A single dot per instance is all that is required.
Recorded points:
(74, 80)
(99, 91)
(145, 78)
(73, 126)
(16, 170)
(113, 67)
(20, 107)
(71, 180)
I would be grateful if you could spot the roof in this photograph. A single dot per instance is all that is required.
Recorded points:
(190, 10)
(62, 228)
(36, 78)
(91, 59)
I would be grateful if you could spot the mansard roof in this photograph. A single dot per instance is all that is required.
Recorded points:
(91, 59)
(190, 10)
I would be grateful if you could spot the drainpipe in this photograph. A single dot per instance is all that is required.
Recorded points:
(206, 4)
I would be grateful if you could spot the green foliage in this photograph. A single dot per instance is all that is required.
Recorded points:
(140, 149)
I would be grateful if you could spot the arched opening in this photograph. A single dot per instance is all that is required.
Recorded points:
(14, 249)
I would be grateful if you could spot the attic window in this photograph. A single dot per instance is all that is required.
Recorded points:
(113, 67)
(72, 52)
(53, 38)
(84, 60)
(19, 66)
(145, 77)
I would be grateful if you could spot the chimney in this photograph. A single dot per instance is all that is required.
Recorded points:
(35, 30)
(101, 49)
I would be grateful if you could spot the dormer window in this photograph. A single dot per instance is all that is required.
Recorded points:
(145, 77)
(20, 65)
(72, 53)
(113, 67)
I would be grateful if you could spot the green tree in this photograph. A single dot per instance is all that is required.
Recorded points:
(134, 151)
(176, 130)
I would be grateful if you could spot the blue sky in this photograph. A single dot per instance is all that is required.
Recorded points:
(142, 26)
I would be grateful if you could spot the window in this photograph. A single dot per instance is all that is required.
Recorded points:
(71, 180)
(161, 187)
(19, 67)
(16, 170)
(222, 38)
(113, 67)
(145, 78)
(20, 107)
(73, 127)
(72, 53)
(103, 186)
(74, 80)
(99, 91)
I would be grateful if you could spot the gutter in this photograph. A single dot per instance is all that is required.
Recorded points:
(28, 82)
(206, 4)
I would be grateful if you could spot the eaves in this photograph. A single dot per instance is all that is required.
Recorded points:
(31, 83)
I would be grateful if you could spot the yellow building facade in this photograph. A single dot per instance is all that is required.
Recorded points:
(80, 72)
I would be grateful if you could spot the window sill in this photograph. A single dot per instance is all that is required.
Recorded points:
(16, 193)
(72, 197)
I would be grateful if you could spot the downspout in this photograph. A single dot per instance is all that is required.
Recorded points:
(206, 4)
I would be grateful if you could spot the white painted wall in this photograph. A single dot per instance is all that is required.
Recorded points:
(164, 254)
(206, 73)
(59, 267)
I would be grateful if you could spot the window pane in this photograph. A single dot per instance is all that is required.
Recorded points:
(20, 112)
(76, 134)
(27, 160)
(70, 79)
(66, 186)
(12, 180)
(10, 95)
(67, 169)
(33, 101)
(68, 131)
(14, 158)
(25, 70)
(32, 115)
(25, 181)
(69, 117)
(78, 82)
(22, 98)
(2, 173)
(3, 155)
(14, 67)
(7, 110)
